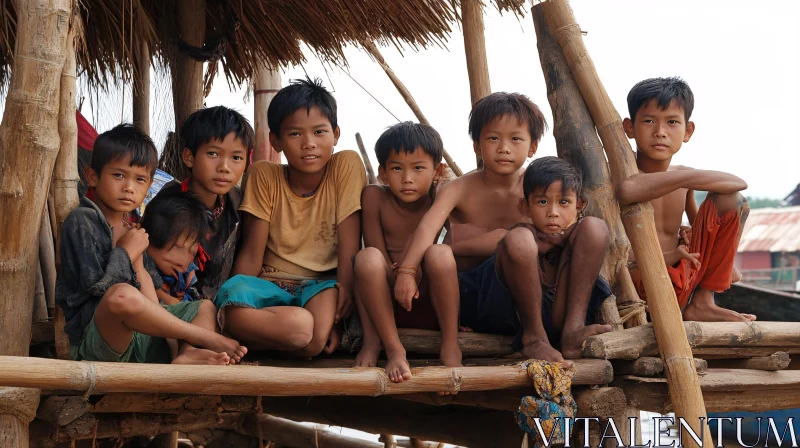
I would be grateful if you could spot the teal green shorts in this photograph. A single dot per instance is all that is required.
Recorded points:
(254, 292)
(143, 348)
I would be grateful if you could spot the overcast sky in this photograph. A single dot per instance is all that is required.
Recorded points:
(742, 60)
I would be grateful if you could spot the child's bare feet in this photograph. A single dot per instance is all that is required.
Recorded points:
(200, 356)
(368, 355)
(397, 367)
(572, 341)
(541, 349)
(713, 313)
(220, 343)
(451, 356)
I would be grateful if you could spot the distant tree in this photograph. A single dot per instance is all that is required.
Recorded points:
(755, 202)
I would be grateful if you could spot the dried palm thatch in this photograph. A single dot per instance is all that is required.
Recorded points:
(245, 33)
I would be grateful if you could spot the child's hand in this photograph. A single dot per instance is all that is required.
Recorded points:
(736, 276)
(344, 303)
(685, 235)
(683, 253)
(135, 242)
(405, 290)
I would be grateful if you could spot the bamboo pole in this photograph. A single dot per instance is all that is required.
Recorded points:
(286, 432)
(39, 299)
(638, 221)
(775, 361)
(475, 52)
(47, 258)
(265, 85)
(28, 150)
(370, 172)
(577, 142)
(373, 50)
(650, 366)
(256, 380)
(141, 87)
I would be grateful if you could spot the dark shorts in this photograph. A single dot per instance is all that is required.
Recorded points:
(487, 305)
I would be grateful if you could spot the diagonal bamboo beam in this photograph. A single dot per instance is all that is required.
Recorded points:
(373, 50)
(684, 387)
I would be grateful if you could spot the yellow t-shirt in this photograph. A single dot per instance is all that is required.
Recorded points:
(302, 239)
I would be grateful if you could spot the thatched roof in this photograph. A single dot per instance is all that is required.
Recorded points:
(246, 32)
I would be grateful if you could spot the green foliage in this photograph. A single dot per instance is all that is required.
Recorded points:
(755, 202)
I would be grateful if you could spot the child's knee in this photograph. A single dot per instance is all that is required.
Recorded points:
(728, 202)
(369, 262)
(207, 307)
(299, 329)
(439, 258)
(519, 245)
(595, 231)
(123, 299)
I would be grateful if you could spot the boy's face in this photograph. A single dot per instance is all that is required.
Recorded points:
(409, 174)
(217, 166)
(659, 133)
(307, 139)
(552, 211)
(119, 187)
(505, 143)
(176, 256)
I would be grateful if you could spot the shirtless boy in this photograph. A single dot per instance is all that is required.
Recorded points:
(487, 272)
(409, 157)
(699, 258)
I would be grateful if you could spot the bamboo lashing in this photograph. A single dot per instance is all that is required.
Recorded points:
(373, 50)
(91, 377)
(684, 387)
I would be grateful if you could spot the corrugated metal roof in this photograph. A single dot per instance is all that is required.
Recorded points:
(772, 230)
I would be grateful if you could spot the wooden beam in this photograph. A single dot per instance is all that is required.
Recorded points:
(649, 366)
(63, 410)
(475, 49)
(577, 142)
(141, 86)
(250, 380)
(775, 361)
(265, 87)
(741, 352)
(724, 390)
(638, 221)
(373, 50)
(641, 341)
(47, 253)
(286, 432)
(428, 342)
(370, 172)
(91, 426)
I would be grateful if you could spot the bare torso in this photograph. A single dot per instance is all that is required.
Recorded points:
(398, 223)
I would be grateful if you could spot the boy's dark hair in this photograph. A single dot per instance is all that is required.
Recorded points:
(124, 140)
(496, 105)
(300, 94)
(542, 172)
(215, 123)
(664, 91)
(171, 214)
(407, 137)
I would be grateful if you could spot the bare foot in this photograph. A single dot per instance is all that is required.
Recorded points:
(465, 329)
(220, 343)
(397, 367)
(368, 355)
(702, 312)
(201, 356)
(572, 341)
(541, 349)
(750, 317)
(451, 356)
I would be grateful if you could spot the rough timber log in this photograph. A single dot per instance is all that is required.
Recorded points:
(577, 142)
(638, 221)
(290, 433)
(265, 86)
(649, 366)
(29, 144)
(452, 424)
(428, 342)
(641, 341)
(141, 87)
(775, 361)
(724, 390)
(373, 50)
(251, 380)
(91, 426)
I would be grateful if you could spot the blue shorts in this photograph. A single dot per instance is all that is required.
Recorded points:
(487, 305)
(254, 292)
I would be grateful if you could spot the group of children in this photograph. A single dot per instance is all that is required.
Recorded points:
(186, 285)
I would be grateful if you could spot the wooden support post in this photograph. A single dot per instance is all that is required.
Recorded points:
(266, 381)
(370, 172)
(141, 87)
(373, 50)
(577, 142)
(47, 256)
(29, 143)
(639, 225)
(649, 366)
(265, 86)
(475, 49)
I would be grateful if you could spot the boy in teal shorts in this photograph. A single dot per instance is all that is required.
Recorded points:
(106, 284)
(302, 228)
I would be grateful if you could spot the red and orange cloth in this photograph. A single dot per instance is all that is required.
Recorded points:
(715, 238)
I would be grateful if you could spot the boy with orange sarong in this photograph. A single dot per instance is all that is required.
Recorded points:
(699, 258)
